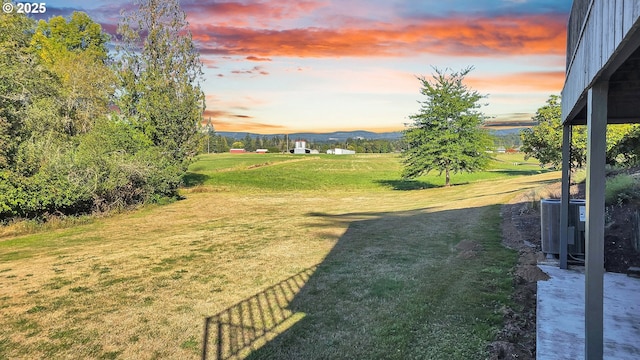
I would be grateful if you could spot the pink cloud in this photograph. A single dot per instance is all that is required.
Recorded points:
(240, 13)
(256, 58)
(488, 36)
(256, 70)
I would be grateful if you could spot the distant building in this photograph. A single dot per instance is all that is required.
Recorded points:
(237, 151)
(301, 147)
(262, 151)
(338, 151)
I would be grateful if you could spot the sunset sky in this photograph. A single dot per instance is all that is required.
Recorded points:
(329, 65)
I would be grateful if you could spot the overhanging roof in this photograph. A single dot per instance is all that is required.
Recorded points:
(603, 44)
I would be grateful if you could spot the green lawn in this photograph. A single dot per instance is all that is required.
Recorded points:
(290, 257)
(375, 172)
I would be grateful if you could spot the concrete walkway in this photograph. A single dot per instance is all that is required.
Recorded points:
(560, 316)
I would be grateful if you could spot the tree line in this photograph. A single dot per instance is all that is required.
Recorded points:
(214, 143)
(83, 129)
(211, 142)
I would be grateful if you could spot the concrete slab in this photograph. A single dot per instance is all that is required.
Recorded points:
(560, 316)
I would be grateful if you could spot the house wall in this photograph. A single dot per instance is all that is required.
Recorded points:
(596, 29)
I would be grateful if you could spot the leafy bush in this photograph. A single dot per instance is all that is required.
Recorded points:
(627, 150)
(40, 195)
(124, 168)
(110, 167)
(621, 188)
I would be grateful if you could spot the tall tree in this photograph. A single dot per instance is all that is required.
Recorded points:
(160, 73)
(544, 140)
(25, 85)
(77, 34)
(75, 50)
(446, 133)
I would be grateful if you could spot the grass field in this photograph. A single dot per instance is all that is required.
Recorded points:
(288, 257)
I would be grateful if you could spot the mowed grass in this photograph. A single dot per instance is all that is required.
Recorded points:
(374, 172)
(384, 273)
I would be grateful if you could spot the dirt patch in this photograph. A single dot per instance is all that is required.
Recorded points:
(468, 249)
(527, 269)
(521, 232)
(254, 166)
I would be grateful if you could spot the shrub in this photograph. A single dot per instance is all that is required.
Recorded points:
(620, 189)
(124, 167)
(40, 195)
(111, 167)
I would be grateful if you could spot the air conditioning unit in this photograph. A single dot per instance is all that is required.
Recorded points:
(550, 226)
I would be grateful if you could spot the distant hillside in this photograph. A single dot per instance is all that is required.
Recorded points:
(320, 137)
(341, 136)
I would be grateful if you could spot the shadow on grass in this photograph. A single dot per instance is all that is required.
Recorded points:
(406, 184)
(191, 179)
(385, 289)
(522, 172)
(252, 320)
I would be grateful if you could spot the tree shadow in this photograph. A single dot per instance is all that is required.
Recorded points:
(410, 184)
(406, 185)
(522, 172)
(191, 179)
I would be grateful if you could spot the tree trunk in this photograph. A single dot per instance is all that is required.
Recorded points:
(447, 183)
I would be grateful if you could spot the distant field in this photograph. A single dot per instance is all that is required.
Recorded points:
(290, 257)
(349, 172)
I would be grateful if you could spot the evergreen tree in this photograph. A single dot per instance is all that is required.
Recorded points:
(446, 133)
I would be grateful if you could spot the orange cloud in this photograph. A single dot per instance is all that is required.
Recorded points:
(551, 81)
(247, 126)
(461, 36)
(223, 120)
(216, 114)
(256, 58)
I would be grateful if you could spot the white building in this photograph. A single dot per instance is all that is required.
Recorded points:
(338, 151)
(301, 147)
